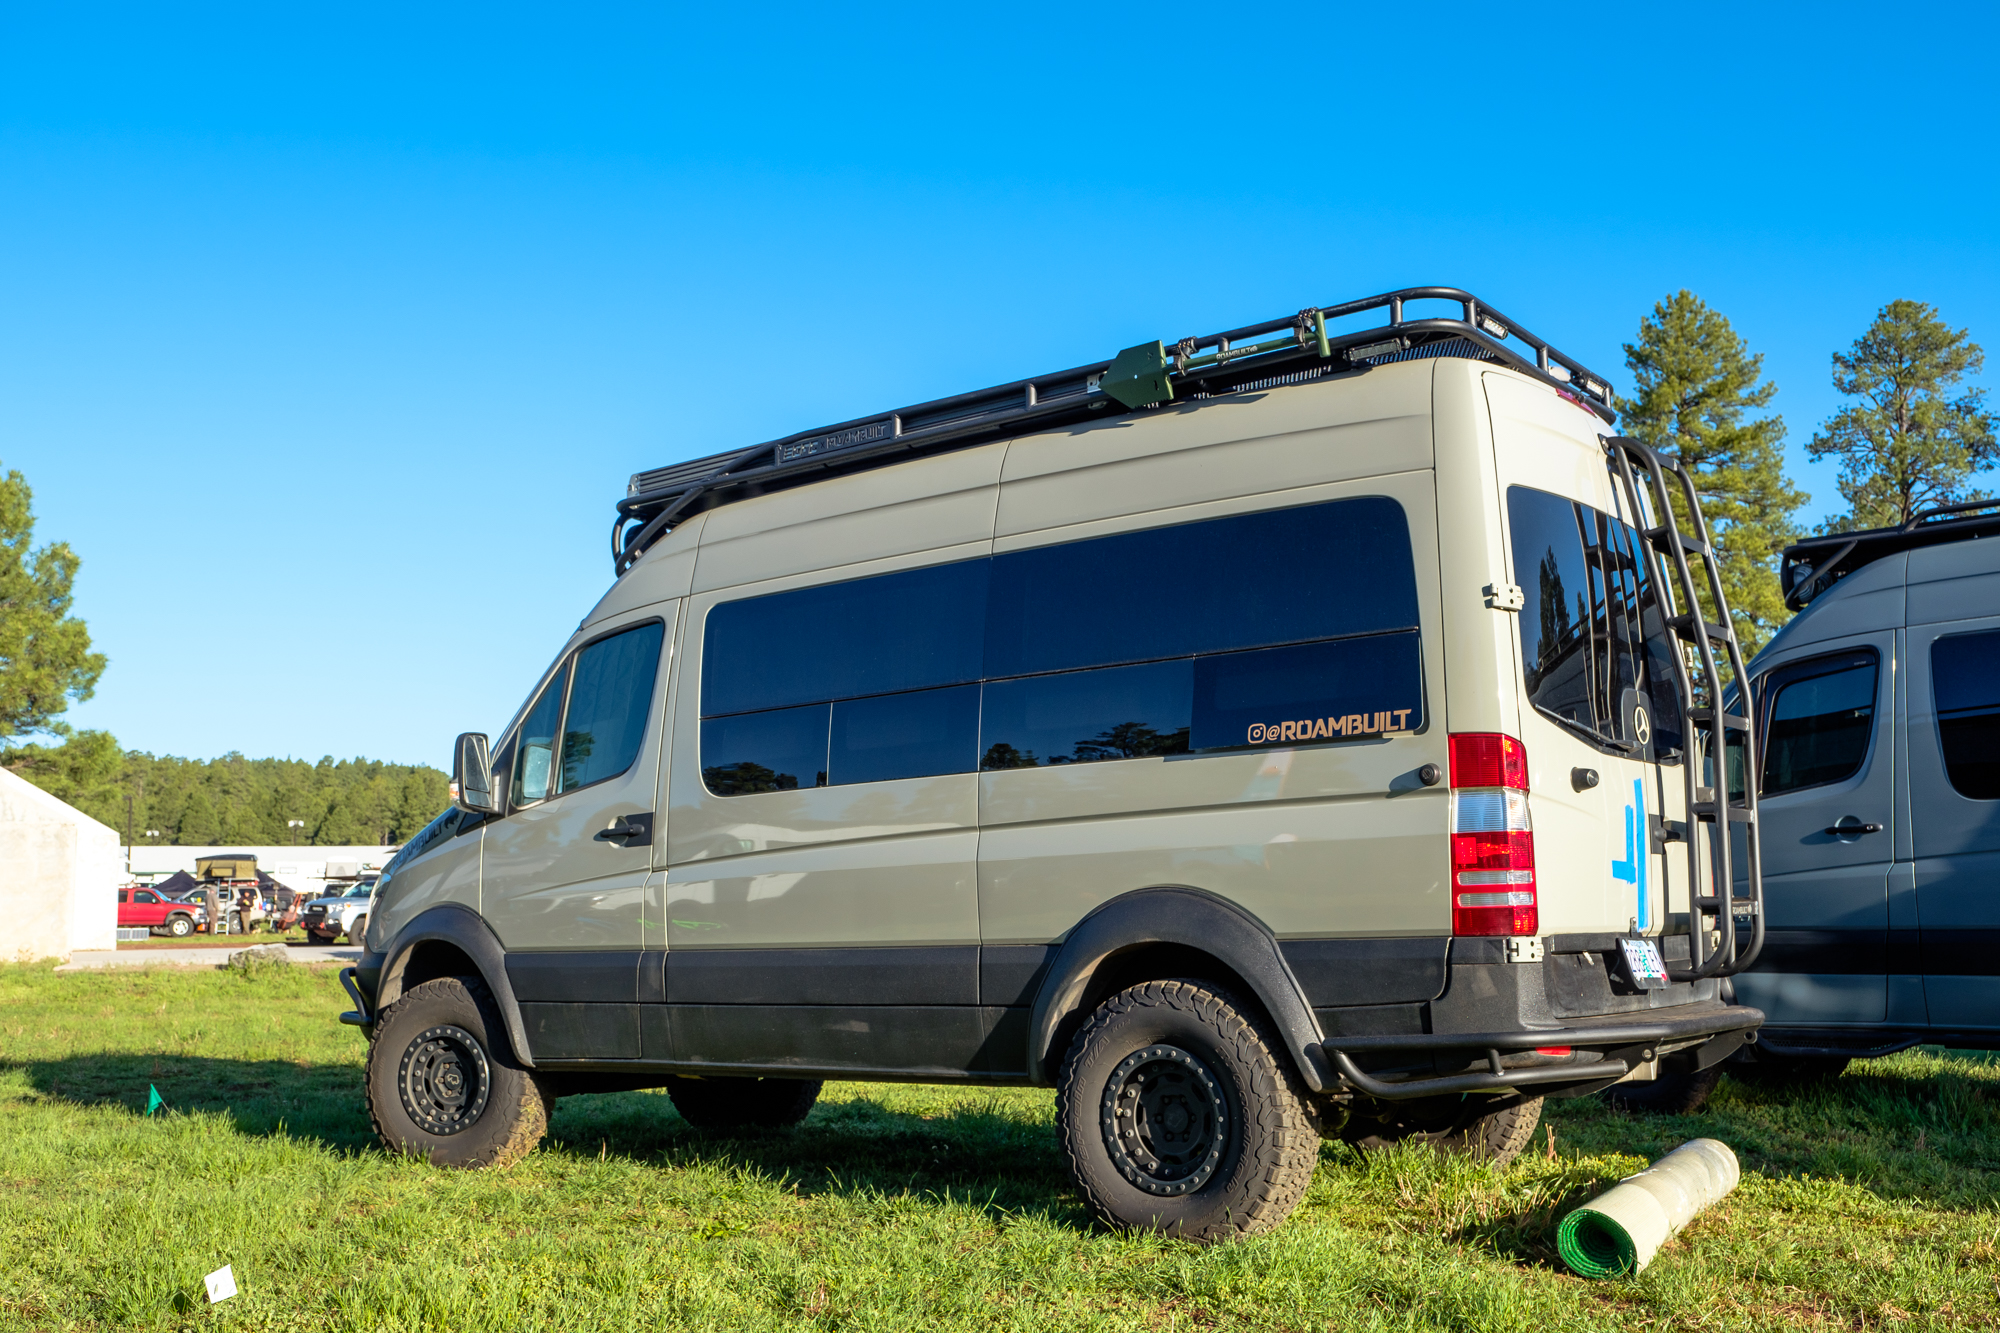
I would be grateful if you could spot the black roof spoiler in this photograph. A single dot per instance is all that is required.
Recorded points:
(1812, 566)
(1137, 378)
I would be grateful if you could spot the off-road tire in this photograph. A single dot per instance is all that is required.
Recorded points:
(236, 923)
(1793, 1071)
(1219, 1080)
(723, 1105)
(452, 1020)
(358, 931)
(180, 926)
(1680, 1093)
(1456, 1125)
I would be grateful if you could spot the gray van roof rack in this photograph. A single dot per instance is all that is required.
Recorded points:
(1812, 566)
(1136, 379)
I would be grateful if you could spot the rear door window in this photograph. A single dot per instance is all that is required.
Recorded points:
(1818, 717)
(1594, 639)
(1965, 686)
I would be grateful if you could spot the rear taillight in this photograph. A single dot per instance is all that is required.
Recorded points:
(1492, 846)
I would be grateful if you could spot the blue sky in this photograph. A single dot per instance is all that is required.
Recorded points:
(350, 323)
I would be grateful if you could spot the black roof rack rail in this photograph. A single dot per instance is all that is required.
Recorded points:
(1812, 566)
(1136, 379)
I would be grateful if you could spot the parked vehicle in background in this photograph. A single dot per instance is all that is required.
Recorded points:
(326, 919)
(1878, 781)
(165, 916)
(1175, 732)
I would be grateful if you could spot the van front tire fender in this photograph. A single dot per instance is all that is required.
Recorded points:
(462, 929)
(1183, 919)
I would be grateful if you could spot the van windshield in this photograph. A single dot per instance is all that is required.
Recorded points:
(1594, 641)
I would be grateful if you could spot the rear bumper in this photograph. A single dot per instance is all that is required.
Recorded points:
(1601, 1051)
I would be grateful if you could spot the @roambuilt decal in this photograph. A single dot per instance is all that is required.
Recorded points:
(1338, 689)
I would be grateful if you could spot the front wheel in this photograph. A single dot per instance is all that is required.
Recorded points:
(1180, 1113)
(444, 1085)
(235, 923)
(358, 930)
(180, 927)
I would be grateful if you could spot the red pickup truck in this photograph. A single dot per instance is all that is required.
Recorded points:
(144, 907)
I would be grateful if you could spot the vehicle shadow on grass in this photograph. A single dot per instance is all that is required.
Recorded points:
(979, 1155)
(317, 1102)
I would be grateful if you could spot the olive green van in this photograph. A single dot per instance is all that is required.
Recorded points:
(1267, 736)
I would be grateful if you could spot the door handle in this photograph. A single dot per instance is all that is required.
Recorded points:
(1850, 827)
(629, 831)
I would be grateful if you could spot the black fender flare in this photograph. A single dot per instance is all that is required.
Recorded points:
(1193, 918)
(465, 929)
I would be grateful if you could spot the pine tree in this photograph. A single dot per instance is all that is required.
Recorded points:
(45, 658)
(1698, 387)
(1910, 443)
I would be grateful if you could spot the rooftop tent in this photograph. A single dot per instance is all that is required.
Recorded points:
(229, 865)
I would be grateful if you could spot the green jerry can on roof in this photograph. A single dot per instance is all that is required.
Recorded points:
(1138, 376)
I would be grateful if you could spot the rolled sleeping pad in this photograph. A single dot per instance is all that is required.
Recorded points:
(1618, 1233)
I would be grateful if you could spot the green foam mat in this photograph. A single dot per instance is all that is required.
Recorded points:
(1595, 1246)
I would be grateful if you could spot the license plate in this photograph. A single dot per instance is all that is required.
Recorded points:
(1643, 964)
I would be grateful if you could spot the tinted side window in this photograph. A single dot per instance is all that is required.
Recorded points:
(1079, 717)
(1309, 692)
(1965, 685)
(1247, 581)
(610, 698)
(902, 631)
(919, 734)
(1819, 718)
(535, 742)
(781, 750)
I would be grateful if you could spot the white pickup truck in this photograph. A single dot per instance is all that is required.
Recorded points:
(345, 913)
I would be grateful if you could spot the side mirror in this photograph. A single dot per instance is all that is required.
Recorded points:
(472, 774)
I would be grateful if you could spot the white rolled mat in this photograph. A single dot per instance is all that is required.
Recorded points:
(1618, 1233)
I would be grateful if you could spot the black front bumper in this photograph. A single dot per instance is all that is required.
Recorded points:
(1602, 1050)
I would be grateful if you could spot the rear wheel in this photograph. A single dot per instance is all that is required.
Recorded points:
(236, 923)
(1470, 1125)
(444, 1085)
(1180, 1113)
(180, 927)
(723, 1104)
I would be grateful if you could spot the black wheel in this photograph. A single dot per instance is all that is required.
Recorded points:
(180, 927)
(719, 1105)
(443, 1084)
(1790, 1070)
(359, 930)
(1180, 1113)
(1670, 1094)
(1468, 1124)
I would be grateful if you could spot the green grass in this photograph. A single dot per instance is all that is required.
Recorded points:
(1866, 1204)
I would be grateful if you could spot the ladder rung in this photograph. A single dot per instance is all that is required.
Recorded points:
(1683, 625)
(1729, 720)
(1705, 812)
(1661, 538)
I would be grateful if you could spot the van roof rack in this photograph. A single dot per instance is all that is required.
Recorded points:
(1812, 566)
(1138, 378)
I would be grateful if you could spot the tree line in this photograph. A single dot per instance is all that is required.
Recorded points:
(1913, 435)
(164, 800)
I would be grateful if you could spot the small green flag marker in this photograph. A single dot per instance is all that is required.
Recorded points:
(154, 1101)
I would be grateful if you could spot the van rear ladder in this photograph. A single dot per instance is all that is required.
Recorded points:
(1713, 950)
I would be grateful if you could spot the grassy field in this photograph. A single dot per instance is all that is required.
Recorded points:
(1867, 1204)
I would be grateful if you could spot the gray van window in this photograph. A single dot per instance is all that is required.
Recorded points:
(903, 631)
(535, 742)
(1323, 596)
(1820, 716)
(1594, 637)
(1965, 685)
(610, 697)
